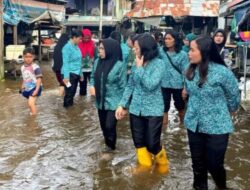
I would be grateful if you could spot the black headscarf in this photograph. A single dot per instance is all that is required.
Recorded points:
(57, 56)
(113, 53)
(220, 46)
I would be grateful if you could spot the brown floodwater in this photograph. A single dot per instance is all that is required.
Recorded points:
(63, 148)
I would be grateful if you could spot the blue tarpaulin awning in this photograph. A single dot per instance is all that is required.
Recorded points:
(241, 11)
(30, 11)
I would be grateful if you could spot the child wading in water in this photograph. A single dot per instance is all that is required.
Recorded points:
(32, 79)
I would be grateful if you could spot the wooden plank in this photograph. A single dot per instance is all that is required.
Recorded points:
(15, 34)
(1, 41)
(245, 105)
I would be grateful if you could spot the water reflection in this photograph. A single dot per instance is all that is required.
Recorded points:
(62, 148)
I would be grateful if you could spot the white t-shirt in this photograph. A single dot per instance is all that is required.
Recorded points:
(30, 73)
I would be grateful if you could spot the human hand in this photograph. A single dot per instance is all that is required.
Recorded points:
(65, 81)
(184, 94)
(120, 113)
(233, 114)
(82, 79)
(139, 61)
(35, 92)
(92, 91)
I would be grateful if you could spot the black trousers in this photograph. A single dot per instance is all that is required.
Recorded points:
(83, 84)
(208, 153)
(108, 125)
(71, 91)
(179, 103)
(146, 132)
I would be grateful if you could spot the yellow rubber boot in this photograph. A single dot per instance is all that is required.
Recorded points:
(162, 163)
(144, 157)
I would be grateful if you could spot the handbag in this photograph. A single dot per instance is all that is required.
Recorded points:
(177, 69)
(171, 62)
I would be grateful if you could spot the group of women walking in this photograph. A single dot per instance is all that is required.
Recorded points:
(142, 83)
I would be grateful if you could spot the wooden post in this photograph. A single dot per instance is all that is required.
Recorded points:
(192, 24)
(39, 45)
(15, 35)
(245, 49)
(101, 15)
(1, 41)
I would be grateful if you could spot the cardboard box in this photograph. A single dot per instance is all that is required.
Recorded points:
(14, 51)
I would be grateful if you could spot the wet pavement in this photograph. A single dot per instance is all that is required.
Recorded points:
(63, 148)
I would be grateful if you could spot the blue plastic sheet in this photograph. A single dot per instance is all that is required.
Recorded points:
(31, 11)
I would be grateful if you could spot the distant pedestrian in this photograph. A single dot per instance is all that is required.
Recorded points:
(89, 54)
(58, 61)
(220, 39)
(131, 56)
(159, 38)
(107, 83)
(72, 67)
(125, 49)
(176, 62)
(32, 79)
(213, 97)
(187, 39)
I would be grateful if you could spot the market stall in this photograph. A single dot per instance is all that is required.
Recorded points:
(28, 15)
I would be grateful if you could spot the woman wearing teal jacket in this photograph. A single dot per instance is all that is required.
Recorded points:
(72, 67)
(188, 38)
(107, 81)
(213, 97)
(176, 62)
(146, 107)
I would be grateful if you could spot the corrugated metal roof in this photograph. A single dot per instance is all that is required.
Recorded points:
(175, 8)
(234, 2)
(76, 20)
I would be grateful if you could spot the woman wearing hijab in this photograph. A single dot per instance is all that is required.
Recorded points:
(89, 53)
(146, 107)
(107, 83)
(188, 38)
(220, 39)
(58, 61)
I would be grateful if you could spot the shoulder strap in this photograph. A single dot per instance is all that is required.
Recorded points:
(221, 51)
(170, 60)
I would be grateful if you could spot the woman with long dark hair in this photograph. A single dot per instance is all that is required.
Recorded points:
(176, 62)
(107, 83)
(213, 98)
(58, 60)
(146, 106)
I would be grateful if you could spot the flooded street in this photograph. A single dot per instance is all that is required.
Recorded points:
(62, 148)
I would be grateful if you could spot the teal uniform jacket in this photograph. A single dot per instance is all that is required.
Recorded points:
(172, 78)
(115, 85)
(209, 107)
(72, 60)
(125, 53)
(144, 86)
(131, 60)
(185, 48)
